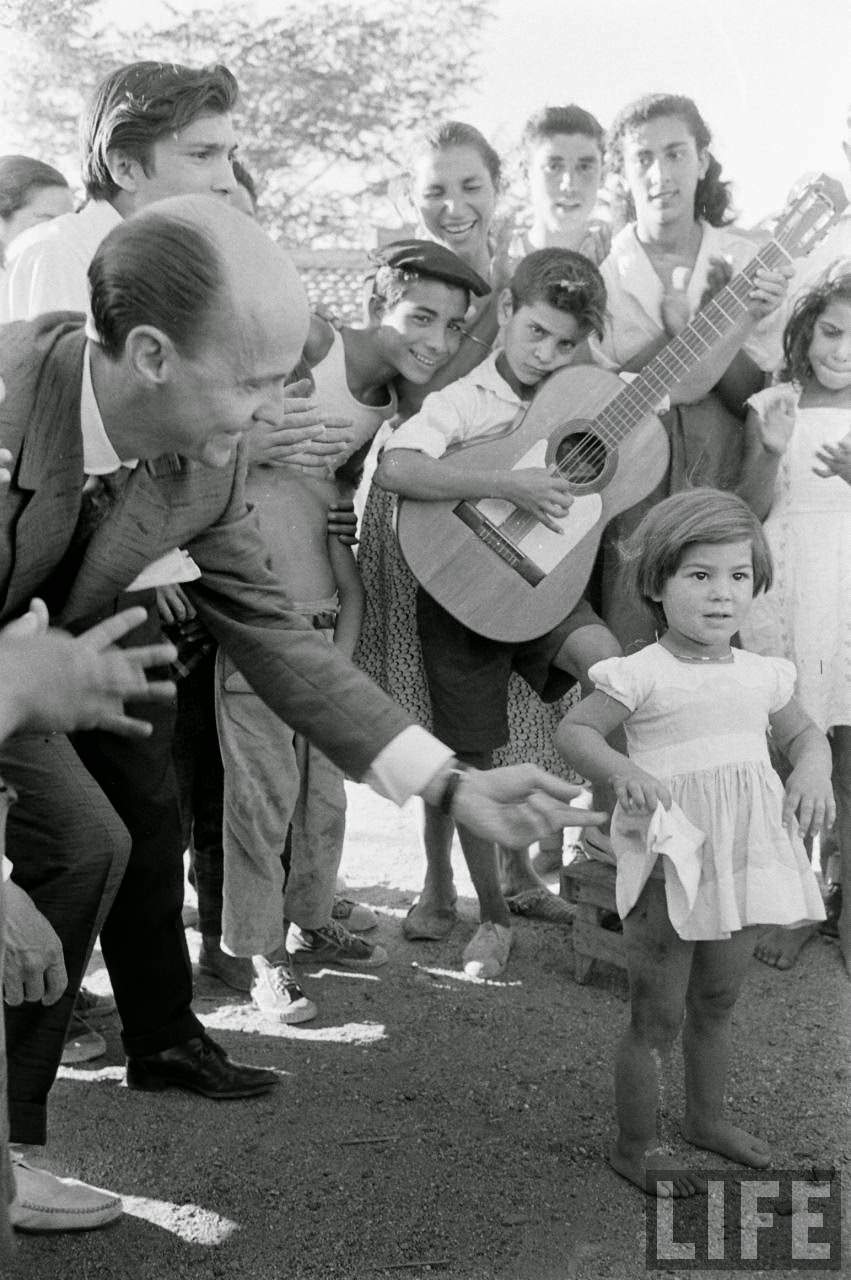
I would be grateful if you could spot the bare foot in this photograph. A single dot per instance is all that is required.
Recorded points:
(431, 918)
(780, 947)
(728, 1140)
(639, 1168)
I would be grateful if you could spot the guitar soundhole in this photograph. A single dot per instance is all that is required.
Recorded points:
(581, 458)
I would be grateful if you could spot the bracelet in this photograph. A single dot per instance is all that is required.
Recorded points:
(453, 782)
(487, 345)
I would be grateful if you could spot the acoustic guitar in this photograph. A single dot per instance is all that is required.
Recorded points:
(497, 568)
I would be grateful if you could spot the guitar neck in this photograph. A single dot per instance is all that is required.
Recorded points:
(649, 391)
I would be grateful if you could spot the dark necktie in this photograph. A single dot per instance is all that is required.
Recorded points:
(100, 494)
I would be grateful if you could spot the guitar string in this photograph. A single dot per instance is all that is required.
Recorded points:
(634, 399)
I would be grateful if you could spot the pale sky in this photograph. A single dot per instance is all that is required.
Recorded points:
(772, 78)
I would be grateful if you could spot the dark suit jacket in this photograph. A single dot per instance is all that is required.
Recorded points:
(168, 503)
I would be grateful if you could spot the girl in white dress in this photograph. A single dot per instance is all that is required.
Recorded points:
(806, 616)
(708, 847)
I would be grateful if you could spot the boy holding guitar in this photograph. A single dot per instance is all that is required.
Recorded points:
(556, 299)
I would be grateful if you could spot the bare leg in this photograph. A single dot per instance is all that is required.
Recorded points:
(717, 973)
(841, 745)
(480, 856)
(433, 915)
(516, 872)
(659, 963)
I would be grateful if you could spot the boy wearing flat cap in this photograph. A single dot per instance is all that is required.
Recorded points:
(274, 779)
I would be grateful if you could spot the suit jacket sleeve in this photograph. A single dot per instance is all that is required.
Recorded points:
(290, 666)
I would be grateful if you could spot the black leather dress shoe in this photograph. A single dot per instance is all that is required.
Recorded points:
(202, 1066)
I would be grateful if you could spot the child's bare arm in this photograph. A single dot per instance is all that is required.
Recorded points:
(581, 739)
(352, 596)
(809, 795)
(414, 474)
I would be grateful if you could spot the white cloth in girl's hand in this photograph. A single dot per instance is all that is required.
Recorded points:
(664, 833)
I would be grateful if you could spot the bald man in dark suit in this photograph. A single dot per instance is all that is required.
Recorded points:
(198, 319)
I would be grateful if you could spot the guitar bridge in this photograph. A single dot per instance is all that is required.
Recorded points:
(498, 543)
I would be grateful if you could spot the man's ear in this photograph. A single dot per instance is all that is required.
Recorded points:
(150, 356)
(125, 170)
(504, 307)
(375, 308)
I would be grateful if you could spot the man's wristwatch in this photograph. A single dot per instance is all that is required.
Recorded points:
(453, 782)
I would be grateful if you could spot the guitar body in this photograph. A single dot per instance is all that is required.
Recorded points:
(499, 571)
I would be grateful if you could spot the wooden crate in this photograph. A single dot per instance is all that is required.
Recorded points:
(591, 886)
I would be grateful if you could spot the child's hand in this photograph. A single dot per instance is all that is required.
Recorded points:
(835, 460)
(809, 799)
(5, 467)
(343, 522)
(639, 792)
(173, 604)
(768, 290)
(775, 421)
(545, 496)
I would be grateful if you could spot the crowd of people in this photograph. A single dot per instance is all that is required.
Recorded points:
(208, 623)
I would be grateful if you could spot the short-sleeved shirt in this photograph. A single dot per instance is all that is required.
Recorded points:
(477, 405)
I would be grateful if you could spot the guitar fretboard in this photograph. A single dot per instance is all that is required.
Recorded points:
(648, 392)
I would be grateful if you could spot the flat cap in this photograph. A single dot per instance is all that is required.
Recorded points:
(432, 260)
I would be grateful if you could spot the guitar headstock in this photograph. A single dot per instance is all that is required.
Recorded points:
(809, 216)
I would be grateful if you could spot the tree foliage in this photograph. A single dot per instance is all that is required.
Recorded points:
(332, 90)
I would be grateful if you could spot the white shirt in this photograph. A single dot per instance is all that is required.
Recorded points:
(634, 293)
(47, 265)
(476, 405)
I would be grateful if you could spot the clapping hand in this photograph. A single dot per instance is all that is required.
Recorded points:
(775, 419)
(835, 460)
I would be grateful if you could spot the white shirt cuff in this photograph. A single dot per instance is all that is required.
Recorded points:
(7, 868)
(407, 765)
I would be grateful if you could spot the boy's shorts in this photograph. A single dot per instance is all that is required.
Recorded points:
(468, 674)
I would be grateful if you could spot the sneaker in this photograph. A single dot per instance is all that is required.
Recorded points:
(486, 954)
(333, 944)
(275, 991)
(44, 1202)
(90, 1006)
(354, 915)
(82, 1044)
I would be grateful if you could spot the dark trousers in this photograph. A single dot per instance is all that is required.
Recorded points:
(69, 851)
(86, 814)
(200, 778)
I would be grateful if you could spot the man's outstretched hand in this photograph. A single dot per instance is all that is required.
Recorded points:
(518, 804)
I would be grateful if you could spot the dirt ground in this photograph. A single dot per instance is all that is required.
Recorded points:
(426, 1125)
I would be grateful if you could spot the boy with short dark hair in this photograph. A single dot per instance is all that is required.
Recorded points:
(556, 298)
(273, 778)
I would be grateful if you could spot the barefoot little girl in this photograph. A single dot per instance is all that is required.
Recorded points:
(806, 616)
(707, 846)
